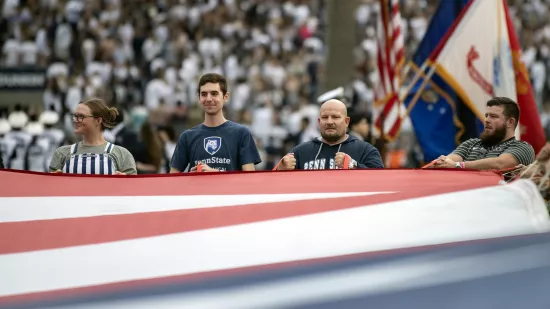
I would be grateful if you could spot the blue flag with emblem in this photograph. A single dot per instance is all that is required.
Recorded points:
(439, 117)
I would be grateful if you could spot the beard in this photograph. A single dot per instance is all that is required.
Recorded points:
(332, 137)
(491, 139)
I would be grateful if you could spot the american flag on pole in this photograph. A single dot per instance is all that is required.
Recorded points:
(390, 59)
(253, 240)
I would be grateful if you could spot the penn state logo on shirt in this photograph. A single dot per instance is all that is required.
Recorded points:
(212, 144)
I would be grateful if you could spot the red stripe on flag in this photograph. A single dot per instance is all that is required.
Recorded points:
(30, 184)
(400, 55)
(395, 8)
(395, 35)
(26, 184)
(51, 234)
(386, 110)
(395, 128)
(384, 80)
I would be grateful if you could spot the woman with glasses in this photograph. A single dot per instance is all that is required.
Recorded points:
(93, 155)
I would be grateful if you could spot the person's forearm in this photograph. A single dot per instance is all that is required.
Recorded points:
(485, 164)
(455, 157)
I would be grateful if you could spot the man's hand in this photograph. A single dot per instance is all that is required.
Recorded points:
(204, 168)
(57, 172)
(339, 159)
(119, 173)
(287, 163)
(444, 162)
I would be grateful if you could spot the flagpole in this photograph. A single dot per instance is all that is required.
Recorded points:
(406, 70)
(419, 91)
(415, 79)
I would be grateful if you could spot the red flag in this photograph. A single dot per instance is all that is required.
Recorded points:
(530, 123)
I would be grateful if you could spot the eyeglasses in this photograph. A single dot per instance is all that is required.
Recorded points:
(80, 117)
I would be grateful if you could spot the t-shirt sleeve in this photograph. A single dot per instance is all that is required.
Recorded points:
(180, 158)
(58, 159)
(464, 149)
(523, 152)
(248, 153)
(127, 162)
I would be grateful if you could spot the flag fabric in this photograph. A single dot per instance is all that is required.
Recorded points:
(390, 59)
(443, 18)
(439, 117)
(472, 63)
(475, 59)
(531, 129)
(79, 235)
(428, 277)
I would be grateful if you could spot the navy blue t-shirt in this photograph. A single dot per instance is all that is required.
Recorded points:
(226, 147)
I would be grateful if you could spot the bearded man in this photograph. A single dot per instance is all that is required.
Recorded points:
(496, 148)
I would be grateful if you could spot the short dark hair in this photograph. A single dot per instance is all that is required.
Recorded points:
(511, 108)
(213, 78)
(356, 117)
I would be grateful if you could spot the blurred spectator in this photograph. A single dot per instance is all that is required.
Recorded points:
(149, 152)
(169, 140)
(149, 55)
(359, 126)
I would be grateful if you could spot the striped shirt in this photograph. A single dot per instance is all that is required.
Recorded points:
(90, 163)
(474, 149)
(121, 158)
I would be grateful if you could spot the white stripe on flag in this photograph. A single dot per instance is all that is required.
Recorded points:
(20, 209)
(392, 117)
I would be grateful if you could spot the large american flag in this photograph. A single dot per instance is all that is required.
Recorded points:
(390, 59)
(255, 240)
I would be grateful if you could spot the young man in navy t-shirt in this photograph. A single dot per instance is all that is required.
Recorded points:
(217, 144)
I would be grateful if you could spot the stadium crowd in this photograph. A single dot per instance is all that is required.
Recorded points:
(145, 59)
